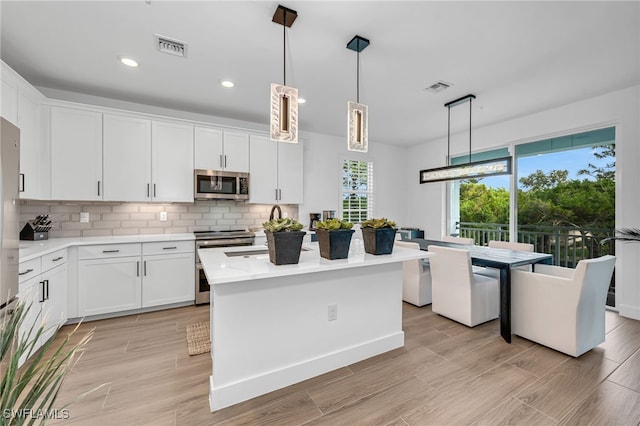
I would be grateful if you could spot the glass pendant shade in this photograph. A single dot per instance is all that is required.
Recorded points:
(358, 127)
(284, 113)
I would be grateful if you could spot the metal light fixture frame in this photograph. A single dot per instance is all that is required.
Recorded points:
(357, 113)
(284, 99)
(471, 169)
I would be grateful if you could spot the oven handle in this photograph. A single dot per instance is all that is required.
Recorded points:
(225, 242)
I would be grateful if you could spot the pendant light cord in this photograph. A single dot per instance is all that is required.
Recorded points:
(470, 101)
(284, 50)
(358, 74)
(448, 134)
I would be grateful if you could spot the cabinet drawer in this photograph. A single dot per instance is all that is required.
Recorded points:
(54, 259)
(105, 251)
(168, 247)
(29, 269)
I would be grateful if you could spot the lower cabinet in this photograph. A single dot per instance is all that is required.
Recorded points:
(121, 277)
(43, 287)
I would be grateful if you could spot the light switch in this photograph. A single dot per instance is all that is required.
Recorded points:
(163, 216)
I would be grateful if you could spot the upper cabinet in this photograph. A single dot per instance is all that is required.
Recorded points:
(172, 162)
(76, 154)
(127, 158)
(221, 150)
(276, 171)
(22, 106)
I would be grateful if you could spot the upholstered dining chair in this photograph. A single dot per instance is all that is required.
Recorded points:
(459, 294)
(562, 308)
(457, 240)
(416, 278)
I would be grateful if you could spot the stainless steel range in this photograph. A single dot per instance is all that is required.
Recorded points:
(215, 239)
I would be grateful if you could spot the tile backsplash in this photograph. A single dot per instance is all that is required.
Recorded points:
(110, 218)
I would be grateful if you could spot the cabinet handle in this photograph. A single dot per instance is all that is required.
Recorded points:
(41, 298)
(111, 251)
(220, 160)
(276, 194)
(98, 188)
(154, 190)
(144, 268)
(25, 272)
(57, 259)
(225, 161)
(148, 191)
(46, 286)
(21, 183)
(138, 268)
(169, 248)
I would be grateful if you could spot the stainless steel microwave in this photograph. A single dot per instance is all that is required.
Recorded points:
(213, 184)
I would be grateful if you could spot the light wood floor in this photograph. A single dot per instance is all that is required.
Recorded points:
(447, 374)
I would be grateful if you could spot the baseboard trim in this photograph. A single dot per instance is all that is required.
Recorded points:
(130, 312)
(233, 393)
(629, 311)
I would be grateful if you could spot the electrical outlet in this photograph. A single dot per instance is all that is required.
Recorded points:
(163, 216)
(84, 217)
(332, 312)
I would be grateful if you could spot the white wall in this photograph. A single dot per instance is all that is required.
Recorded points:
(323, 156)
(427, 207)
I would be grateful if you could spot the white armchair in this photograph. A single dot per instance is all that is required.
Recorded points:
(457, 292)
(562, 308)
(457, 240)
(416, 278)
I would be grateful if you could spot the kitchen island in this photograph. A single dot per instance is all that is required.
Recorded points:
(272, 326)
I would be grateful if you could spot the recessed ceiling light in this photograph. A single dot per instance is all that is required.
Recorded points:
(302, 100)
(227, 83)
(129, 62)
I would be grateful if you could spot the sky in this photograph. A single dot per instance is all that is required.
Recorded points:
(572, 161)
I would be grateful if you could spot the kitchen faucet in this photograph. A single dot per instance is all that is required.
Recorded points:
(275, 207)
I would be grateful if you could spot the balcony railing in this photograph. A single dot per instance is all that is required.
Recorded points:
(567, 244)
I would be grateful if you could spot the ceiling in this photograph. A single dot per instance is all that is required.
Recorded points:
(516, 57)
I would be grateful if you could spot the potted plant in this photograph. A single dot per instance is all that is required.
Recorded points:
(284, 239)
(334, 238)
(378, 235)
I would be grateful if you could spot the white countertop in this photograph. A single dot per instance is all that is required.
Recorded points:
(220, 268)
(33, 249)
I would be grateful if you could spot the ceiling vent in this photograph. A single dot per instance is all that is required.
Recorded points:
(170, 46)
(438, 87)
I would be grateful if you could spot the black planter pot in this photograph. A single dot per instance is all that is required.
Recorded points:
(334, 244)
(284, 247)
(378, 240)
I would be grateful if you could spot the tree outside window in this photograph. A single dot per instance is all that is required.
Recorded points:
(357, 190)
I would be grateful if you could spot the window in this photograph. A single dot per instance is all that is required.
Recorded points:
(357, 190)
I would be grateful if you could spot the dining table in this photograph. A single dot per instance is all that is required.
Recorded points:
(501, 259)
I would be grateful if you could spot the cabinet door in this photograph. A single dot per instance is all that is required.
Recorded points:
(30, 149)
(168, 278)
(172, 162)
(236, 151)
(76, 154)
(9, 94)
(208, 149)
(109, 285)
(127, 158)
(31, 295)
(263, 161)
(55, 303)
(290, 158)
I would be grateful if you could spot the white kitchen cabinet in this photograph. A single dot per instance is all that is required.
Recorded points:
(55, 302)
(276, 171)
(29, 293)
(126, 147)
(221, 150)
(109, 278)
(76, 154)
(172, 162)
(32, 162)
(9, 93)
(168, 273)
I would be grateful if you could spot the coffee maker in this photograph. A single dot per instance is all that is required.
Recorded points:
(328, 214)
(314, 218)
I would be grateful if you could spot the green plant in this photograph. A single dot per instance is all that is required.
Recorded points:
(285, 224)
(28, 394)
(382, 222)
(333, 224)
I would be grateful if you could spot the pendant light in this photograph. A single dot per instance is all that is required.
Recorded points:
(475, 169)
(284, 99)
(358, 114)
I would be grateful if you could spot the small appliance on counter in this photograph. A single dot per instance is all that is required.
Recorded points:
(328, 214)
(314, 218)
(410, 233)
(37, 229)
